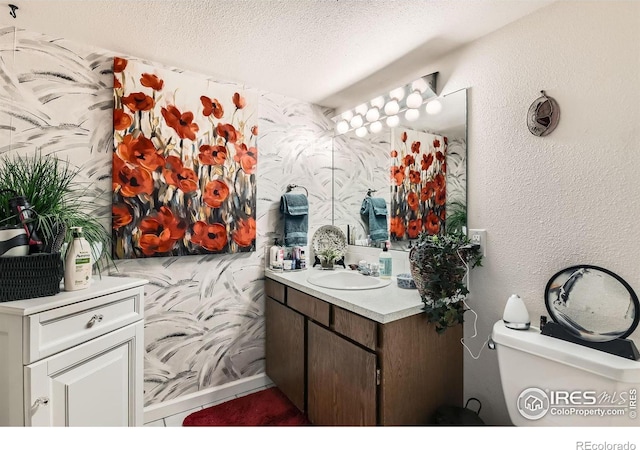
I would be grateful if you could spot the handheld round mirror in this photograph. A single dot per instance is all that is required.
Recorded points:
(592, 303)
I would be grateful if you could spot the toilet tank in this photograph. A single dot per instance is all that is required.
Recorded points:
(551, 382)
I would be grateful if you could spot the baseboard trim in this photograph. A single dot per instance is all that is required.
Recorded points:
(204, 397)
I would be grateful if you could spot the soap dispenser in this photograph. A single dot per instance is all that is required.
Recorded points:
(385, 261)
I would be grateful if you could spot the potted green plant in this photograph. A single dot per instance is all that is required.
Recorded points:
(328, 256)
(57, 197)
(456, 217)
(439, 265)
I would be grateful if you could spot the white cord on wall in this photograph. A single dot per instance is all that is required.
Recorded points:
(475, 315)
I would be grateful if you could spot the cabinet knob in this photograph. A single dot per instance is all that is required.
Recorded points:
(44, 401)
(94, 319)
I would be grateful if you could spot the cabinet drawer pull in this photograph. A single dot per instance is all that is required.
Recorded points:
(44, 401)
(94, 319)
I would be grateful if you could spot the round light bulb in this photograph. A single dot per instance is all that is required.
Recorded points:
(393, 121)
(376, 127)
(347, 115)
(342, 127)
(372, 115)
(433, 107)
(414, 100)
(361, 132)
(378, 102)
(361, 109)
(412, 115)
(397, 93)
(419, 85)
(391, 108)
(356, 121)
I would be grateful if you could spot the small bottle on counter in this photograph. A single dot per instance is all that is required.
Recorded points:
(280, 258)
(273, 254)
(77, 262)
(303, 260)
(385, 261)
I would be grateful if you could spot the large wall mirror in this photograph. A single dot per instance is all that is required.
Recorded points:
(418, 167)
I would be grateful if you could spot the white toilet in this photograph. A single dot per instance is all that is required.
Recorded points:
(551, 382)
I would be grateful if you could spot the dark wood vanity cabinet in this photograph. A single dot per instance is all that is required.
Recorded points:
(285, 352)
(342, 380)
(345, 369)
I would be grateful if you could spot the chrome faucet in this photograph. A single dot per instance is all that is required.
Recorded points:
(371, 269)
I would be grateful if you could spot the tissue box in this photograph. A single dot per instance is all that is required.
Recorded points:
(405, 281)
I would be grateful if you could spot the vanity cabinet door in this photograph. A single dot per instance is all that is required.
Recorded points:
(342, 381)
(285, 350)
(98, 383)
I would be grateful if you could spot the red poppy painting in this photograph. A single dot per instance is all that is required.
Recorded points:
(184, 164)
(418, 184)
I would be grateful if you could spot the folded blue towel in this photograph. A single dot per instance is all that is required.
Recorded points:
(295, 208)
(375, 209)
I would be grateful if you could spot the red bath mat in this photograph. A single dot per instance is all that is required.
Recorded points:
(269, 407)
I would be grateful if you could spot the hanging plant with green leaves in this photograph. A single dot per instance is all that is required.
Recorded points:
(439, 266)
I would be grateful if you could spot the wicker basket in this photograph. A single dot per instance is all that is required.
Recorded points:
(36, 275)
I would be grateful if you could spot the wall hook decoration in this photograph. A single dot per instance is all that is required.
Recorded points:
(13, 10)
(543, 115)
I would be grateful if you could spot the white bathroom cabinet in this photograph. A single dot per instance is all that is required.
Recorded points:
(75, 358)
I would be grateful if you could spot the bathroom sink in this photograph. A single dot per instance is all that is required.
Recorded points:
(346, 280)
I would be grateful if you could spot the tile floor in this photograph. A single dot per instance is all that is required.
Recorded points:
(176, 419)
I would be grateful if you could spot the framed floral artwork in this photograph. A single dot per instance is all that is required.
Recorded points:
(184, 164)
(418, 184)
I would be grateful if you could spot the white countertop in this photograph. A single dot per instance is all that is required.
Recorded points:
(383, 305)
(98, 287)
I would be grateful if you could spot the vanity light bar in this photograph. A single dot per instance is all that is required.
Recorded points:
(386, 107)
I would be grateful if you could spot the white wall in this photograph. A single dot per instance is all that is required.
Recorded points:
(547, 203)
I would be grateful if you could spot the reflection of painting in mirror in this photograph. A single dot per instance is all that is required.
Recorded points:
(362, 163)
(418, 184)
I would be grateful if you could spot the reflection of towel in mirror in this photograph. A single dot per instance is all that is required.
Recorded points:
(295, 208)
(376, 210)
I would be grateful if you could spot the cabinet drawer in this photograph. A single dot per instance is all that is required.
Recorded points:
(355, 327)
(274, 290)
(311, 307)
(58, 329)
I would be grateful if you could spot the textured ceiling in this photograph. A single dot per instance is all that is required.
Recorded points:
(329, 52)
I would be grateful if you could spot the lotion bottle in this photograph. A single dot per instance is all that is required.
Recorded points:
(273, 254)
(385, 261)
(303, 260)
(78, 264)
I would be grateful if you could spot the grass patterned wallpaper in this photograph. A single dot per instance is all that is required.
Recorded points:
(204, 323)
